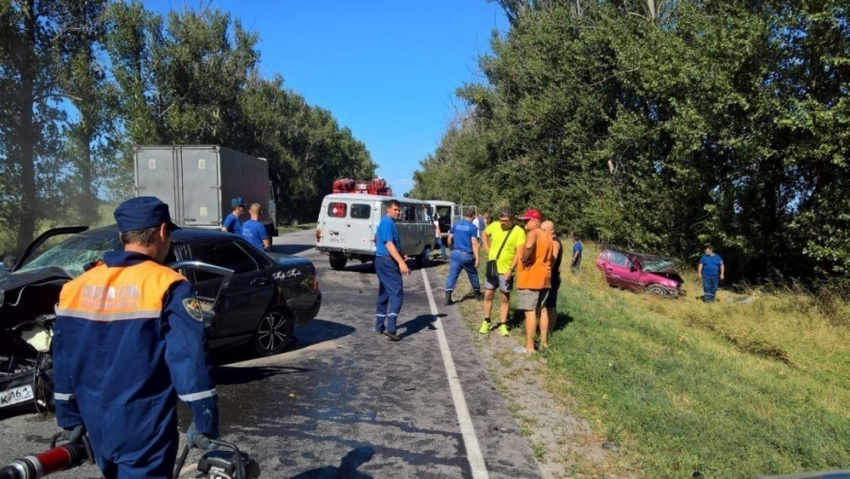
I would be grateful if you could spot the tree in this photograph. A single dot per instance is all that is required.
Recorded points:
(36, 37)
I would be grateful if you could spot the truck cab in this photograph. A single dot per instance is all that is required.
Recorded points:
(348, 223)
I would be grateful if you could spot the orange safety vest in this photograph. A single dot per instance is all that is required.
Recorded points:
(539, 275)
(115, 294)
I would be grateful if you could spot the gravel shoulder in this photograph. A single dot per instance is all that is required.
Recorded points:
(564, 444)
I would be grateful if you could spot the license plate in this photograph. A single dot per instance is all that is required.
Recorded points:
(16, 395)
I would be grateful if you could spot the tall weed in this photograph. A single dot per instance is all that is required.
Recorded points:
(729, 389)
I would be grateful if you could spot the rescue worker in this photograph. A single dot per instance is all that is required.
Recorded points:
(129, 340)
(232, 224)
(390, 265)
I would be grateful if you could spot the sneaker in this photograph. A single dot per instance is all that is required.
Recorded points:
(485, 327)
(503, 329)
(479, 295)
(392, 336)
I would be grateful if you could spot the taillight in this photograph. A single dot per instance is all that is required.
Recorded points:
(315, 279)
(318, 235)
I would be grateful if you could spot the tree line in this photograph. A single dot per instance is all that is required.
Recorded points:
(83, 81)
(664, 125)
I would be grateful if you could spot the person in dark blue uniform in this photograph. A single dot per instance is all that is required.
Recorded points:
(578, 249)
(129, 340)
(390, 265)
(232, 224)
(463, 239)
(711, 269)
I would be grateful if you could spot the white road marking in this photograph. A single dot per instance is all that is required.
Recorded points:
(467, 430)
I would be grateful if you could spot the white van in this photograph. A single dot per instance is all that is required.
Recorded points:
(348, 223)
(448, 213)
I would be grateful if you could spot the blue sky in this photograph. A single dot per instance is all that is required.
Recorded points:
(386, 69)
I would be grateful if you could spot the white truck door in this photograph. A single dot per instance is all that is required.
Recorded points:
(200, 189)
(362, 215)
(156, 175)
(332, 223)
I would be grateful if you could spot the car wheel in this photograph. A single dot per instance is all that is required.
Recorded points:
(656, 290)
(273, 333)
(338, 262)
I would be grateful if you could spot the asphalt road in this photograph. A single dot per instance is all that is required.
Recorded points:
(344, 402)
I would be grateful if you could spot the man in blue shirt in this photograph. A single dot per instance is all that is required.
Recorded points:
(463, 239)
(711, 269)
(254, 231)
(390, 265)
(578, 248)
(232, 224)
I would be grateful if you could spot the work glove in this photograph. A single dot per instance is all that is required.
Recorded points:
(72, 434)
(200, 439)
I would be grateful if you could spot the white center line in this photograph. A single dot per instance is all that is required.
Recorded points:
(467, 430)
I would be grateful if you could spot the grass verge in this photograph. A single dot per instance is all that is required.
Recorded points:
(730, 390)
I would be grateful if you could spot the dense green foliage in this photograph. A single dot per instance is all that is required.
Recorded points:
(665, 125)
(81, 82)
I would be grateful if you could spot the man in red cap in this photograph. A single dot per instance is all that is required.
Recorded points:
(534, 277)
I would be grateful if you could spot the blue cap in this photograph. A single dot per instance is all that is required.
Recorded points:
(141, 213)
(237, 202)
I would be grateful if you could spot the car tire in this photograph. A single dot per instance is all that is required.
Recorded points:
(273, 333)
(338, 262)
(656, 290)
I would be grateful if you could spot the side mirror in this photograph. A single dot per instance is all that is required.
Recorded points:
(9, 262)
(633, 268)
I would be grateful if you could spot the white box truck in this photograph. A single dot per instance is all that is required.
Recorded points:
(199, 181)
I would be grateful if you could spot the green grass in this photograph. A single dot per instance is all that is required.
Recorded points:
(730, 390)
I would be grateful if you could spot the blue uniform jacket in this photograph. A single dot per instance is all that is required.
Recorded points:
(121, 373)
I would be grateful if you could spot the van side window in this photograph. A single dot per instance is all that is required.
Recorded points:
(361, 211)
(408, 213)
(420, 215)
(337, 210)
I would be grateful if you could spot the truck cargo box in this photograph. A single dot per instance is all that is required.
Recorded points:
(199, 181)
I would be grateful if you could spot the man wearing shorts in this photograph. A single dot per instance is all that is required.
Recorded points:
(534, 277)
(551, 306)
(501, 241)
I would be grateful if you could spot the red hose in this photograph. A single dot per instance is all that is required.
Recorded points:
(66, 456)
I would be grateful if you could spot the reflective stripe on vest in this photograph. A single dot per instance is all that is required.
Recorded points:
(118, 293)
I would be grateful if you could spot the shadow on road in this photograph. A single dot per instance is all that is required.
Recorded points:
(347, 468)
(313, 332)
(423, 321)
(369, 267)
(319, 331)
(235, 375)
(291, 248)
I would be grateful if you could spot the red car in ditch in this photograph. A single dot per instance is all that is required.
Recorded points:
(647, 273)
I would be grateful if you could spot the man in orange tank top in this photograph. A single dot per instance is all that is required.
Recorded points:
(534, 277)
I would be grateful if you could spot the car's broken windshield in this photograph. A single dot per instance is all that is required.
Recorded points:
(75, 253)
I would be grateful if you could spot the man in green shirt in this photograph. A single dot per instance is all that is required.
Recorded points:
(501, 241)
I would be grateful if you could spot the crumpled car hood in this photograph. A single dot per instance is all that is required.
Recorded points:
(12, 281)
